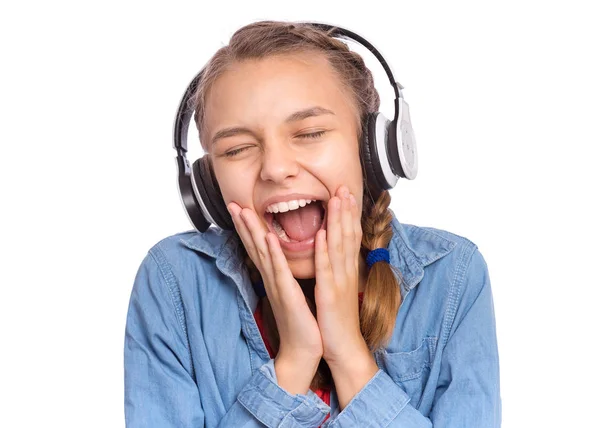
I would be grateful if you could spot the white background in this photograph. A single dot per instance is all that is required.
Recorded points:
(504, 99)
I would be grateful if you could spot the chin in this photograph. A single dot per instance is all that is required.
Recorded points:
(302, 269)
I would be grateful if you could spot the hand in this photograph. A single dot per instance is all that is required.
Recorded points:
(300, 348)
(337, 275)
(336, 296)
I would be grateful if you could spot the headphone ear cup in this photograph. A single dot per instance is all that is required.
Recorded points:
(405, 159)
(376, 181)
(189, 196)
(209, 195)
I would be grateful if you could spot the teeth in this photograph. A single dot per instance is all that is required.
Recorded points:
(280, 232)
(281, 207)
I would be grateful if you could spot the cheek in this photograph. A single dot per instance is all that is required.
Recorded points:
(341, 167)
(236, 183)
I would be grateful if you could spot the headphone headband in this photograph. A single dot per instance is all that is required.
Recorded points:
(342, 32)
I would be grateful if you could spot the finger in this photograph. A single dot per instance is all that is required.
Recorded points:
(282, 275)
(289, 301)
(258, 237)
(243, 231)
(335, 241)
(350, 251)
(322, 264)
(335, 245)
(263, 254)
(323, 273)
(356, 215)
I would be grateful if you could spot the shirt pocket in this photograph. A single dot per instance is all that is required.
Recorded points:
(410, 370)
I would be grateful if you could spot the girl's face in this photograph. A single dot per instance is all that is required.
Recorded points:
(281, 129)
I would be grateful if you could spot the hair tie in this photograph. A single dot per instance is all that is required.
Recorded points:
(378, 255)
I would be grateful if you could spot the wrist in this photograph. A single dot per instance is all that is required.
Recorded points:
(351, 375)
(295, 375)
(362, 364)
(354, 353)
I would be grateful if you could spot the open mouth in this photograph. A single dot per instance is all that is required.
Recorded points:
(296, 221)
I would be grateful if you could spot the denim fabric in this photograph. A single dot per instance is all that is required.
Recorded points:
(194, 356)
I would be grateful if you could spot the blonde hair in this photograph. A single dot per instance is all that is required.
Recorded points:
(382, 297)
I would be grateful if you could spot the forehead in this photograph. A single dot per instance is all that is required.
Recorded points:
(273, 87)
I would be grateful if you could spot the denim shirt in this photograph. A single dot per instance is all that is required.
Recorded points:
(194, 356)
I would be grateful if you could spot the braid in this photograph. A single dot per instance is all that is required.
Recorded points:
(382, 297)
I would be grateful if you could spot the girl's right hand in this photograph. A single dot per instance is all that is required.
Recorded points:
(301, 346)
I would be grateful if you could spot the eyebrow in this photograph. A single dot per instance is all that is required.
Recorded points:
(294, 117)
(309, 112)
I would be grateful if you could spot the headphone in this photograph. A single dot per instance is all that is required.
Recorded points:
(388, 149)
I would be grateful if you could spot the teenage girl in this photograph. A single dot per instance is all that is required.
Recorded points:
(311, 305)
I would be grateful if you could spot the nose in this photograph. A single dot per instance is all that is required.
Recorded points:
(279, 163)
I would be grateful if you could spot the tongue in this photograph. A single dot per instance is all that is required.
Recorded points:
(302, 223)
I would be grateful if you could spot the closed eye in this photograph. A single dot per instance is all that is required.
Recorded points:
(312, 135)
(234, 152)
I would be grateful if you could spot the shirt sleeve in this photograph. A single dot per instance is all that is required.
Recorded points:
(276, 407)
(160, 383)
(468, 388)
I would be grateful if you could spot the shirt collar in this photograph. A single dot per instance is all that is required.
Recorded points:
(411, 249)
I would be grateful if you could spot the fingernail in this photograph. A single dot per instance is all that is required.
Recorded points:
(345, 192)
(352, 200)
(337, 203)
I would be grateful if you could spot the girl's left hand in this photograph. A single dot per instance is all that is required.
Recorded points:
(337, 275)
